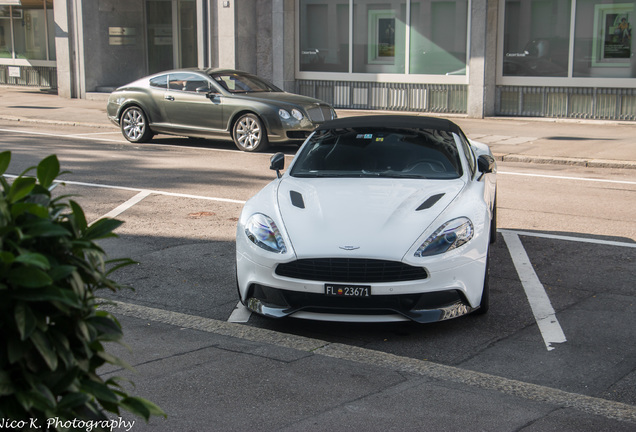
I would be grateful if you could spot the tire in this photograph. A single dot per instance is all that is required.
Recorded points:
(484, 305)
(249, 134)
(134, 125)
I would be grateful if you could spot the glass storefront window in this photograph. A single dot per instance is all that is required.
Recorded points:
(603, 45)
(536, 38)
(438, 37)
(436, 32)
(324, 41)
(379, 36)
(27, 31)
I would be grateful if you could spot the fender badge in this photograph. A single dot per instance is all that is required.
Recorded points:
(349, 248)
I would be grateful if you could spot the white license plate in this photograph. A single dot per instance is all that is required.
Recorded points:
(347, 290)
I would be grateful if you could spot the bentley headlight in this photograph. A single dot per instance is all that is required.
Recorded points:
(263, 232)
(449, 236)
(297, 114)
(283, 114)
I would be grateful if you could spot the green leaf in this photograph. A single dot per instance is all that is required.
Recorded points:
(21, 187)
(107, 328)
(25, 320)
(48, 170)
(15, 350)
(141, 407)
(34, 259)
(73, 400)
(5, 159)
(99, 390)
(7, 257)
(79, 217)
(47, 294)
(28, 277)
(45, 228)
(61, 272)
(6, 386)
(102, 228)
(21, 208)
(45, 349)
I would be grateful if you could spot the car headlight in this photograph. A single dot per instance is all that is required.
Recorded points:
(297, 114)
(263, 232)
(283, 114)
(449, 236)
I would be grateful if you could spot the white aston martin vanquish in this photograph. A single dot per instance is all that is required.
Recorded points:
(378, 218)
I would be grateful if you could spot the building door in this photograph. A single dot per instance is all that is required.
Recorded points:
(172, 34)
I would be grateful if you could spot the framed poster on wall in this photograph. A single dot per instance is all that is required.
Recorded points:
(612, 44)
(381, 42)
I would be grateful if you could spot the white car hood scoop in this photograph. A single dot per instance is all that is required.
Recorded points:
(360, 217)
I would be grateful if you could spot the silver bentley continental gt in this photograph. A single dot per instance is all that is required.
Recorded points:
(214, 103)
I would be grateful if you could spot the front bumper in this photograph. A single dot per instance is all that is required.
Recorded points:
(422, 308)
(448, 292)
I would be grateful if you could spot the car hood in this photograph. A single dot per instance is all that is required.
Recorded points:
(370, 218)
(281, 97)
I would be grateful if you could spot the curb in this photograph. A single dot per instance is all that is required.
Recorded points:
(552, 160)
(56, 122)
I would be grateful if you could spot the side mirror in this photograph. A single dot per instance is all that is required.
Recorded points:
(485, 164)
(277, 163)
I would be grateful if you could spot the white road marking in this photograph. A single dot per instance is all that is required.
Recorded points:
(570, 238)
(537, 297)
(122, 141)
(57, 135)
(240, 314)
(128, 204)
(568, 178)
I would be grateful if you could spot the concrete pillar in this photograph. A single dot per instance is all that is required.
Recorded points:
(64, 51)
(225, 45)
(283, 59)
(483, 58)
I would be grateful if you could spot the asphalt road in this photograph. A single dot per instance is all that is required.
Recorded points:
(567, 237)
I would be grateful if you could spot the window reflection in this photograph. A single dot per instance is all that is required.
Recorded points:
(26, 31)
(536, 38)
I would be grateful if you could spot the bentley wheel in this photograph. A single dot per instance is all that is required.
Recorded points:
(134, 125)
(249, 134)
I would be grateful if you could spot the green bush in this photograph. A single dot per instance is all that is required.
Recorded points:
(51, 330)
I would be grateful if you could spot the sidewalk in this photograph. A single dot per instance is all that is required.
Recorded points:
(573, 142)
(210, 375)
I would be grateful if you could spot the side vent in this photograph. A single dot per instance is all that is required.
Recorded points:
(297, 199)
(430, 202)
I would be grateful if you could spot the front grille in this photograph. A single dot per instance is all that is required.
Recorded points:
(350, 270)
(319, 114)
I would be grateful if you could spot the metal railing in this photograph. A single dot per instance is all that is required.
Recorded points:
(567, 102)
(438, 98)
(30, 76)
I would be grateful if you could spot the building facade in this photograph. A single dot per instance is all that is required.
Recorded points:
(542, 58)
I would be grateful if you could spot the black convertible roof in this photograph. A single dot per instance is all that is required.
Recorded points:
(392, 121)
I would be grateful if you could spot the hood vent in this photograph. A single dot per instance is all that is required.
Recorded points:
(430, 202)
(297, 199)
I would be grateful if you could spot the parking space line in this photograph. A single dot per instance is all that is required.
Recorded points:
(240, 314)
(567, 178)
(570, 238)
(128, 204)
(535, 292)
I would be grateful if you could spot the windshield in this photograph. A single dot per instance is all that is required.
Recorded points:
(379, 152)
(243, 83)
